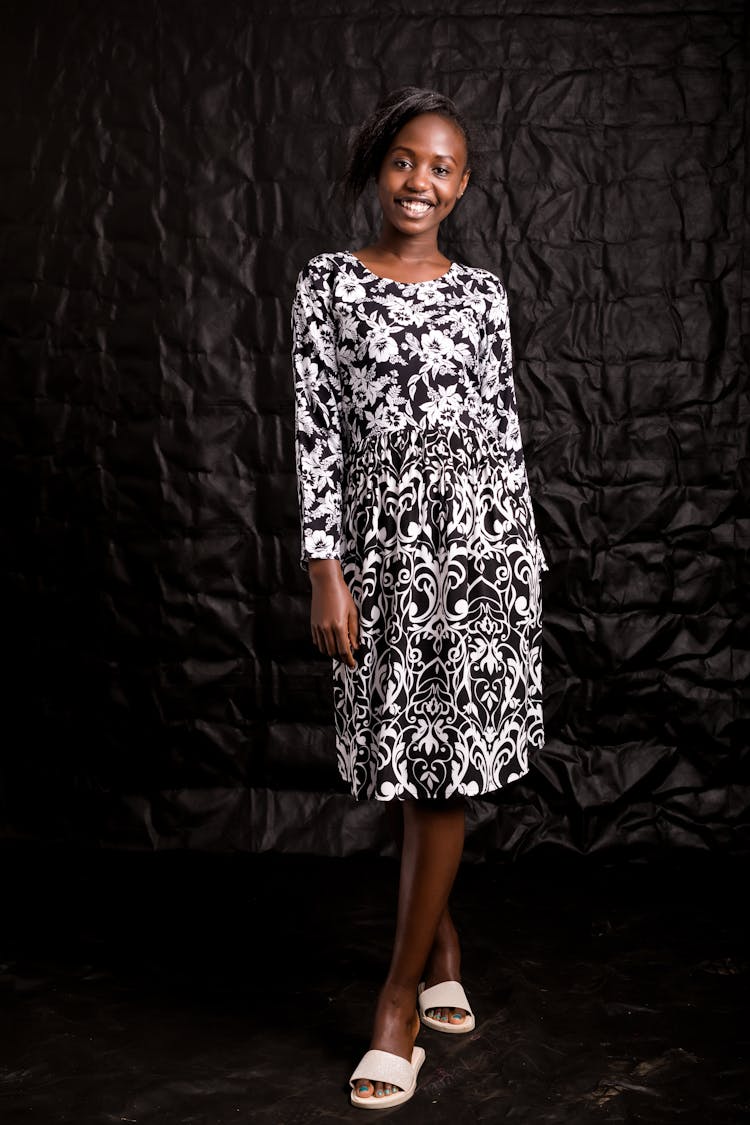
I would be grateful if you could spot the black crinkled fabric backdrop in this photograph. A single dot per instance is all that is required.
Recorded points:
(167, 170)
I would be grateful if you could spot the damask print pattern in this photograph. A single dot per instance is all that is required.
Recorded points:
(410, 471)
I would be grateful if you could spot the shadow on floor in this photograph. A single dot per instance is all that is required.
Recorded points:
(182, 987)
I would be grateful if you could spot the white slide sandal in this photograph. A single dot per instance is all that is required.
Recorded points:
(383, 1066)
(447, 994)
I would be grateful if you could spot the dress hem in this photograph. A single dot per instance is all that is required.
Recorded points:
(438, 797)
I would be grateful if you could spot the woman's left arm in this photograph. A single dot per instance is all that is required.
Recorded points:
(497, 387)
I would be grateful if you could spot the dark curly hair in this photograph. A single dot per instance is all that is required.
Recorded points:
(373, 138)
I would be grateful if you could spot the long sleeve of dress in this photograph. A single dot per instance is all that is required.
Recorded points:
(497, 388)
(318, 442)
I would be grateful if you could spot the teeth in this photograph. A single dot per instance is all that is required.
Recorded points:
(414, 207)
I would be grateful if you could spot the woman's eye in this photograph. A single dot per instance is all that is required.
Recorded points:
(445, 171)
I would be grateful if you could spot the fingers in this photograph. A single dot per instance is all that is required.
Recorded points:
(323, 640)
(353, 626)
(335, 641)
(344, 646)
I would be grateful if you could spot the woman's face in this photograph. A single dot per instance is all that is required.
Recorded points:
(423, 174)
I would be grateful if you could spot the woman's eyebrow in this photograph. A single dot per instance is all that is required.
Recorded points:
(435, 155)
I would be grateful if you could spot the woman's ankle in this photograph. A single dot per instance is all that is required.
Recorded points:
(443, 964)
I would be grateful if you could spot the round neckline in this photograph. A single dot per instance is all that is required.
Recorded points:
(392, 280)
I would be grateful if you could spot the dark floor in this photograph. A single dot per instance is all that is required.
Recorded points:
(178, 987)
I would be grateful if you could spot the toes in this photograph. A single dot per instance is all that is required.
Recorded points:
(447, 1015)
(364, 1088)
(383, 1089)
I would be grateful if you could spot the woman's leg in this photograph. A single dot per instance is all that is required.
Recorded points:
(433, 841)
(444, 958)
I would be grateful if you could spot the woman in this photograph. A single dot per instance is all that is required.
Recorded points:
(419, 538)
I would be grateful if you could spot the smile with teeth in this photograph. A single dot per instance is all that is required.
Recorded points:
(414, 206)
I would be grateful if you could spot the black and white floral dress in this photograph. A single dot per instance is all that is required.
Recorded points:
(410, 471)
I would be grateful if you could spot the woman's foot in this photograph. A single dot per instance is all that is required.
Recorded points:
(395, 1029)
(444, 963)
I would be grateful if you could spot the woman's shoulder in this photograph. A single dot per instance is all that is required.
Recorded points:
(481, 280)
(324, 264)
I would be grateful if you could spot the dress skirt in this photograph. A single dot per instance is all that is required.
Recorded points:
(444, 565)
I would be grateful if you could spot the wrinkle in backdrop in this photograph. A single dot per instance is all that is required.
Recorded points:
(165, 177)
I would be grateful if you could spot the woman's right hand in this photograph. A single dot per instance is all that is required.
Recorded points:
(334, 620)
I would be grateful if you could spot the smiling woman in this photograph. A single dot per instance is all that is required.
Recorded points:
(418, 534)
(421, 167)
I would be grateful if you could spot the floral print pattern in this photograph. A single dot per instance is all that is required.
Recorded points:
(410, 471)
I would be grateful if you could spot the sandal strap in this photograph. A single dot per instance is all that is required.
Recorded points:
(383, 1066)
(447, 994)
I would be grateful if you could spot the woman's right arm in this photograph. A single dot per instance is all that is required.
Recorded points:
(319, 459)
(319, 463)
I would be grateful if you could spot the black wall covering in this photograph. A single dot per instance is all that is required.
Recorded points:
(167, 170)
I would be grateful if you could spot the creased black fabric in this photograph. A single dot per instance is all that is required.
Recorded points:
(165, 177)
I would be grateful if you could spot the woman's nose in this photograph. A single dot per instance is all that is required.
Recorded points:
(418, 178)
